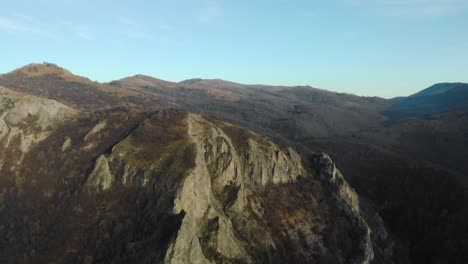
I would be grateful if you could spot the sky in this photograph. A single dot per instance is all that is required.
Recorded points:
(383, 48)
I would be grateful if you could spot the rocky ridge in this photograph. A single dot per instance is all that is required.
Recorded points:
(168, 187)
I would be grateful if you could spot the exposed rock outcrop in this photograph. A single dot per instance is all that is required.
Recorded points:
(227, 218)
(101, 178)
(228, 222)
(24, 122)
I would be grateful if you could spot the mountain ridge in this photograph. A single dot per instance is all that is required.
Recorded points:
(37, 69)
(439, 88)
(167, 186)
(436, 99)
(395, 165)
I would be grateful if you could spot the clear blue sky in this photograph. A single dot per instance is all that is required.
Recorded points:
(367, 47)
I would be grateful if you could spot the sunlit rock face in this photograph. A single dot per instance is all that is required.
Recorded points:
(130, 185)
(24, 122)
(257, 203)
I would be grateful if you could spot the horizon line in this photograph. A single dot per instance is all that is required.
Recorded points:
(48, 64)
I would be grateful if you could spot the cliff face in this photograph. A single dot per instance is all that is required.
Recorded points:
(256, 203)
(125, 185)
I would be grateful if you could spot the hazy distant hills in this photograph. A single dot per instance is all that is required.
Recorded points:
(436, 99)
(406, 157)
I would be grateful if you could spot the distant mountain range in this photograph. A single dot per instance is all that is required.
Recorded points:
(405, 157)
(439, 98)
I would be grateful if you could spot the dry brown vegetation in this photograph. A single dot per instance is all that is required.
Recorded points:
(52, 82)
(318, 215)
(413, 172)
(61, 222)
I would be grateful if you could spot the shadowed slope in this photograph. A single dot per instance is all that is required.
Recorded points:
(439, 98)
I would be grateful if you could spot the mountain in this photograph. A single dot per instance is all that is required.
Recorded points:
(395, 165)
(439, 98)
(408, 175)
(126, 185)
(50, 81)
(295, 111)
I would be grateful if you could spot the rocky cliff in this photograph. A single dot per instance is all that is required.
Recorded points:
(125, 185)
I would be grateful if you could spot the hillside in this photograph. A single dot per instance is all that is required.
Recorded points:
(410, 171)
(51, 81)
(126, 185)
(293, 111)
(394, 165)
(437, 99)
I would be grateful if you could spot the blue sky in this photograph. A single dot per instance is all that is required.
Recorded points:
(367, 47)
